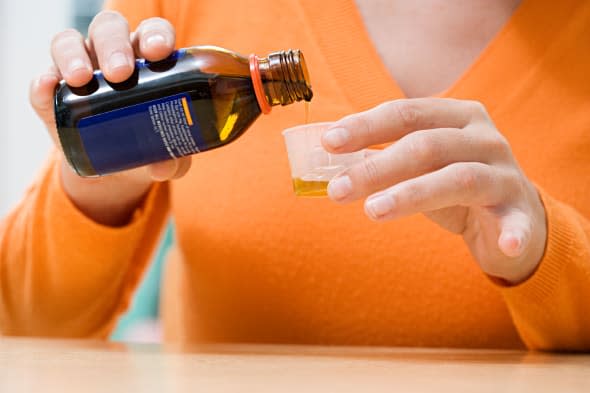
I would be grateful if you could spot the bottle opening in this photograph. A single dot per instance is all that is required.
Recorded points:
(281, 78)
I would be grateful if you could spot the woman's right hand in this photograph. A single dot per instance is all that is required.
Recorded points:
(108, 200)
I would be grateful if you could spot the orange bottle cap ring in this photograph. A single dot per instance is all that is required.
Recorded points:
(258, 88)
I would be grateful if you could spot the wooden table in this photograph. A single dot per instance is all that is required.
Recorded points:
(81, 366)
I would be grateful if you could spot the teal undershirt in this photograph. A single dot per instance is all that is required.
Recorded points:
(146, 301)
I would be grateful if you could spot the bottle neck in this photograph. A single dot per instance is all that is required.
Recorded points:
(280, 79)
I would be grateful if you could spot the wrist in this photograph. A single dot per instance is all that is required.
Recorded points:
(109, 200)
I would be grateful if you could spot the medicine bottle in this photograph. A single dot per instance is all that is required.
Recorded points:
(198, 99)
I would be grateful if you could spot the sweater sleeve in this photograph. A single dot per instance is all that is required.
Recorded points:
(551, 309)
(62, 274)
(136, 11)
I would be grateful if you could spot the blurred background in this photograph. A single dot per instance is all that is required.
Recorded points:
(26, 30)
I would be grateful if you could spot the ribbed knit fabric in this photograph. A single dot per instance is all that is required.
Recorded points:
(254, 263)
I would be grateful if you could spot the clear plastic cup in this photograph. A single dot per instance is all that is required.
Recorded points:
(312, 167)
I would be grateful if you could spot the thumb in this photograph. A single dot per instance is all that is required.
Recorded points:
(515, 233)
(41, 93)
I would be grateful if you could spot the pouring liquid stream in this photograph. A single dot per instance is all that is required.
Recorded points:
(312, 184)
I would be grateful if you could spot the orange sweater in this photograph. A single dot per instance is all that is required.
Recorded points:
(255, 263)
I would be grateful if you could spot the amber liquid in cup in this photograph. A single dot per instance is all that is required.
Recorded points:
(310, 188)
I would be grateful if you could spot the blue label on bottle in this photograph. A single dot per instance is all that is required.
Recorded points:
(141, 134)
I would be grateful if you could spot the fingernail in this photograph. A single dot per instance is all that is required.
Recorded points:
(118, 60)
(517, 240)
(156, 39)
(339, 187)
(379, 205)
(164, 170)
(76, 65)
(336, 137)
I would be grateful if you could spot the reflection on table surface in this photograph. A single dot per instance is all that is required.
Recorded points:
(90, 366)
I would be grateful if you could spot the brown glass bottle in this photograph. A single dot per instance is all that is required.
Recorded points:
(198, 99)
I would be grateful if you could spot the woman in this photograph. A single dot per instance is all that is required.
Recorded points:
(497, 157)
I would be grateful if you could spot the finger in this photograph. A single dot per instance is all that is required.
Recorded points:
(41, 93)
(163, 170)
(515, 234)
(69, 54)
(392, 120)
(460, 184)
(109, 39)
(91, 54)
(154, 39)
(184, 164)
(418, 153)
(169, 169)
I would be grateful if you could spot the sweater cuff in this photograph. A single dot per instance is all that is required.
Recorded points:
(70, 213)
(561, 233)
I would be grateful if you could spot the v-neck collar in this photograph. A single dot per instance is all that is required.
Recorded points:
(355, 62)
(349, 52)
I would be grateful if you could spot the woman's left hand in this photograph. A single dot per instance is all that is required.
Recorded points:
(449, 162)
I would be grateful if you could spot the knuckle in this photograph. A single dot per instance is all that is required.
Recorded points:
(371, 172)
(424, 148)
(511, 182)
(106, 18)
(407, 112)
(40, 100)
(154, 23)
(410, 195)
(498, 145)
(477, 109)
(362, 128)
(466, 178)
(67, 34)
(476, 106)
